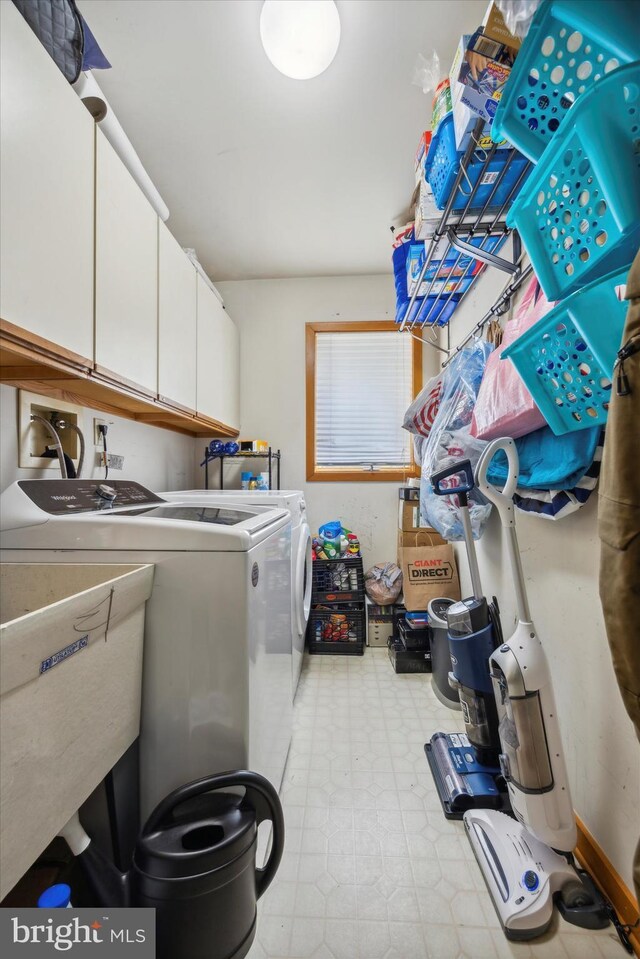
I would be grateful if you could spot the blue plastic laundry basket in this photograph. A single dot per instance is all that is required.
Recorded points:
(579, 214)
(566, 360)
(571, 44)
(443, 162)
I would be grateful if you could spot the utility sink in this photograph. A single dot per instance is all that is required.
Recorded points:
(71, 648)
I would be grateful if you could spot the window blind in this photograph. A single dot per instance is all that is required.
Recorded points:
(363, 387)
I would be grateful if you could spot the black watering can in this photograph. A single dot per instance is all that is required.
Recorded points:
(195, 863)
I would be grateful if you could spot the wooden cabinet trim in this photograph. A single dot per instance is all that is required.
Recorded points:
(28, 342)
(30, 363)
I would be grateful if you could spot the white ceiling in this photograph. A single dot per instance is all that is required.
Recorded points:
(263, 175)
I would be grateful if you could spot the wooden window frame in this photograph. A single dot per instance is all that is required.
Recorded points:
(349, 474)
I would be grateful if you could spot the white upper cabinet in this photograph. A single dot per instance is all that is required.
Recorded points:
(126, 328)
(46, 193)
(176, 322)
(218, 380)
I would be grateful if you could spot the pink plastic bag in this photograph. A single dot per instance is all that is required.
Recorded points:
(504, 406)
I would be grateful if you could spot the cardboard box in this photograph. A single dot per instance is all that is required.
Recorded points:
(408, 515)
(427, 214)
(421, 155)
(493, 26)
(486, 64)
(464, 119)
(254, 446)
(428, 567)
(441, 104)
(452, 274)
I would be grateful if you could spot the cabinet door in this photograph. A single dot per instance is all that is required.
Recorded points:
(46, 193)
(218, 385)
(126, 274)
(176, 322)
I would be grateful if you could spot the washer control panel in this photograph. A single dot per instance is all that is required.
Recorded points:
(62, 497)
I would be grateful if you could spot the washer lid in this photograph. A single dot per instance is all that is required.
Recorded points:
(293, 500)
(220, 516)
(33, 518)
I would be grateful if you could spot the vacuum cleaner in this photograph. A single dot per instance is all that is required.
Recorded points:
(465, 766)
(527, 862)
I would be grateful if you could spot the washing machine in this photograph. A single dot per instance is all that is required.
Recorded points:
(217, 653)
(301, 555)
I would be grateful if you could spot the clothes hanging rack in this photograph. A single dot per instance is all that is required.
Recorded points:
(500, 306)
(457, 228)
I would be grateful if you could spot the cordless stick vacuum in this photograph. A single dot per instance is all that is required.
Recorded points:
(465, 766)
(521, 867)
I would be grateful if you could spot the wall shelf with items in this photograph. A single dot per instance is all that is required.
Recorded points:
(472, 230)
(273, 457)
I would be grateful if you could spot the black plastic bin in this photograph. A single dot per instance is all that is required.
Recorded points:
(337, 581)
(408, 660)
(337, 631)
(414, 638)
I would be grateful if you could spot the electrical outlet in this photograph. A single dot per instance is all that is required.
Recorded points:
(114, 461)
(97, 436)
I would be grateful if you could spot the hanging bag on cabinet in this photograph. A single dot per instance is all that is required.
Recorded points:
(505, 406)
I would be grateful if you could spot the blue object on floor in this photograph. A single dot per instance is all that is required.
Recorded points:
(55, 897)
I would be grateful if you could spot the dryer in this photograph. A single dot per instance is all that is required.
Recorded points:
(217, 659)
(301, 553)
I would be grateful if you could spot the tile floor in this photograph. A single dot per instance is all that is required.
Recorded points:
(372, 869)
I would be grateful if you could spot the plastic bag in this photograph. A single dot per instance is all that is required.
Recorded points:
(505, 406)
(426, 72)
(383, 583)
(517, 15)
(421, 413)
(419, 443)
(450, 441)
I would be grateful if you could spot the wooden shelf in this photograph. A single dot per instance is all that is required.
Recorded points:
(32, 363)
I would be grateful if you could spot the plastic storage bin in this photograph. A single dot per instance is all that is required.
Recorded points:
(412, 638)
(566, 359)
(579, 216)
(409, 660)
(338, 631)
(379, 623)
(571, 44)
(443, 163)
(337, 581)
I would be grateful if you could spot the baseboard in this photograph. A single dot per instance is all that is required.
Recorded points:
(594, 860)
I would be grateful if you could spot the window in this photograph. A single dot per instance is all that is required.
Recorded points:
(361, 377)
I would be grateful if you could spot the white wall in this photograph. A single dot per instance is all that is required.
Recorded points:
(271, 316)
(157, 458)
(560, 562)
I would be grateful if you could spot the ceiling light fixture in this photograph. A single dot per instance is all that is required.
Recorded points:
(300, 37)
